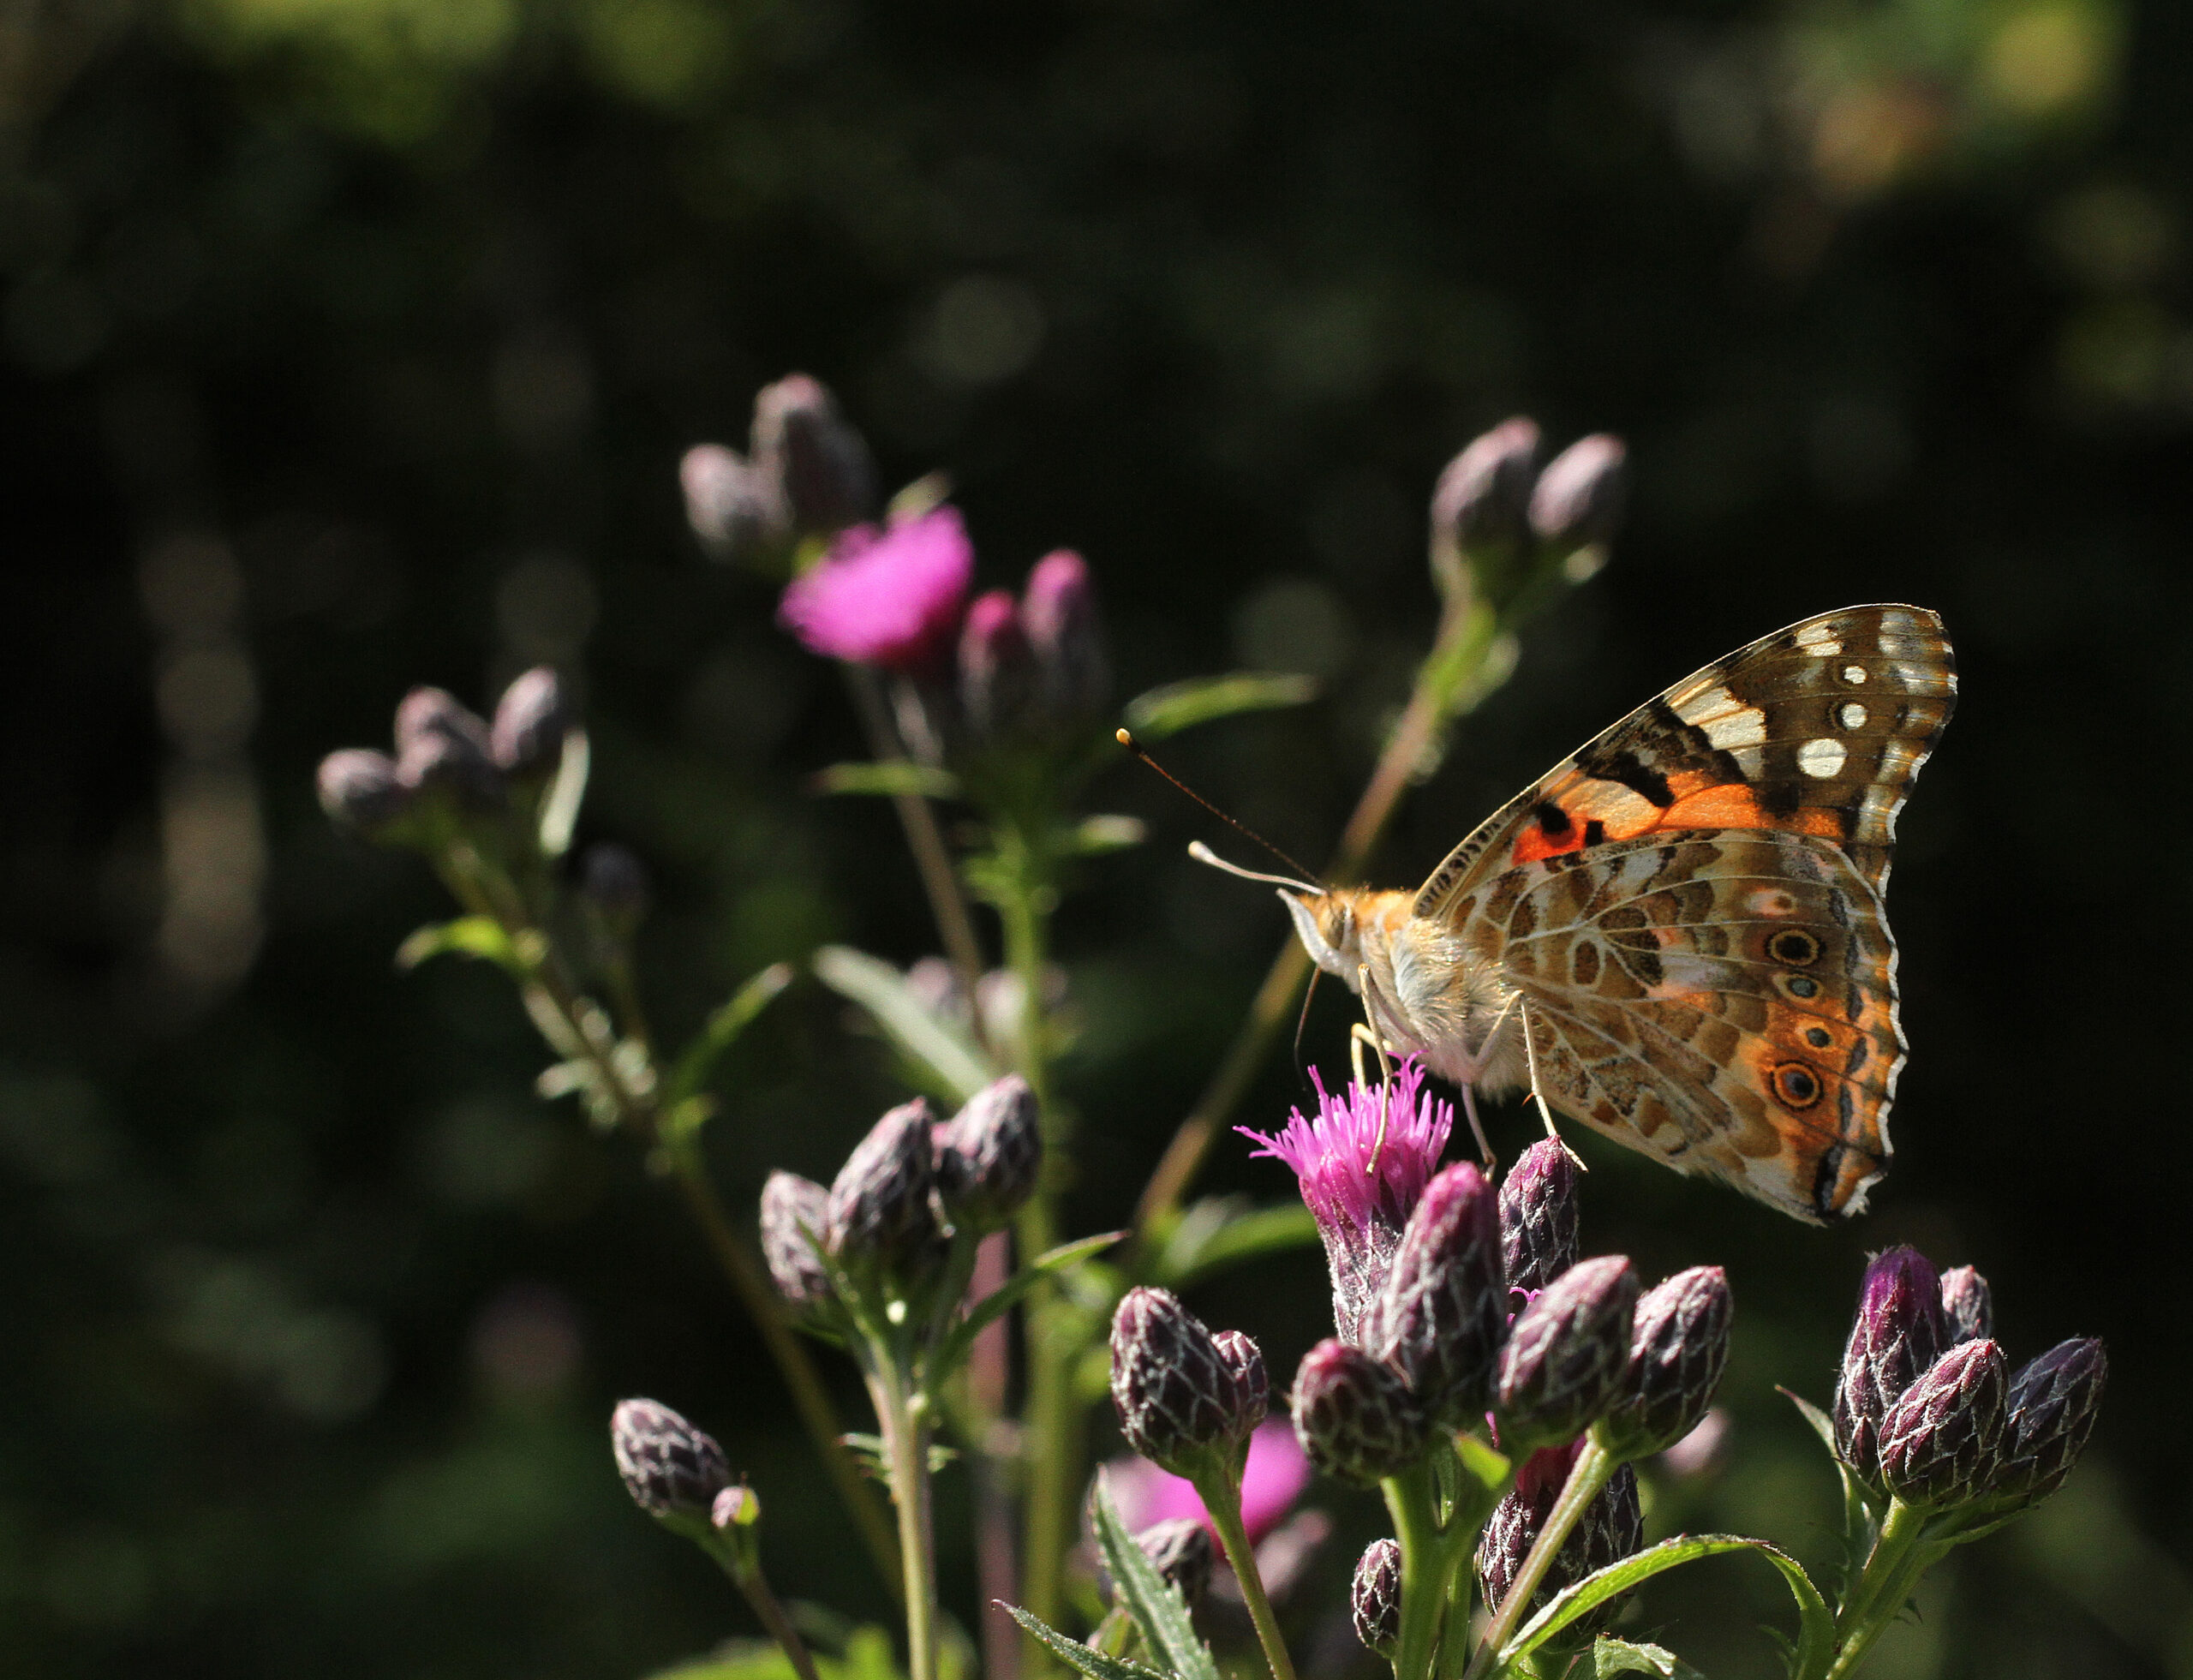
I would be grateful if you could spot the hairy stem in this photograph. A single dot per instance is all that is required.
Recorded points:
(754, 1588)
(1594, 1466)
(904, 1418)
(1899, 1557)
(1222, 1498)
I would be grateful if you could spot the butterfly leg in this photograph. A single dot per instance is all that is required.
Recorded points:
(1538, 1096)
(1476, 1130)
(1367, 1031)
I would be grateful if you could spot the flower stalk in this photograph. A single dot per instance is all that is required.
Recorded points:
(1220, 1489)
(1587, 1477)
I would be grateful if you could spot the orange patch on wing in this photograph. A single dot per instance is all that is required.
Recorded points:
(1734, 805)
(1535, 843)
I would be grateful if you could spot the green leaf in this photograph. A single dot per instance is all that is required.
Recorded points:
(1861, 1506)
(956, 1346)
(1159, 711)
(1816, 1625)
(939, 1049)
(1155, 1604)
(560, 811)
(1093, 836)
(724, 1029)
(1214, 1235)
(891, 779)
(1610, 1655)
(1080, 1656)
(1822, 1425)
(467, 936)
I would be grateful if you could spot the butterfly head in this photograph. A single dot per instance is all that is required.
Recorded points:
(1331, 927)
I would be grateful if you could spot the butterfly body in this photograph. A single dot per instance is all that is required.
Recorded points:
(1682, 925)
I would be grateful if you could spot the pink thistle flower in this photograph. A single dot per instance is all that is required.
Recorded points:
(891, 597)
(1273, 1479)
(1360, 1214)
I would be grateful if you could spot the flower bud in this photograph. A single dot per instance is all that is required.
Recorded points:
(1611, 1527)
(1442, 1311)
(988, 1155)
(427, 712)
(795, 1215)
(615, 881)
(1678, 1347)
(1898, 1334)
(1484, 496)
(531, 720)
(359, 791)
(733, 507)
(819, 464)
(1180, 1550)
(1245, 1363)
(1058, 610)
(997, 669)
(1940, 1441)
(1967, 1307)
(1580, 496)
(735, 1507)
(1566, 1353)
(1537, 1214)
(879, 1210)
(1376, 1597)
(1355, 1416)
(443, 747)
(673, 1470)
(1174, 1391)
(2053, 1402)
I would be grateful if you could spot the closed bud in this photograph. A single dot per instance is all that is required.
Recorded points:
(795, 1215)
(1678, 1347)
(1967, 1307)
(1484, 496)
(2053, 1402)
(1579, 498)
(427, 712)
(1941, 1441)
(1174, 1391)
(734, 508)
(1059, 611)
(1898, 1334)
(531, 720)
(673, 1470)
(1537, 1214)
(1611, 1527)
(1566, 1353)
(1442, 1313)
(735, 1508)
(615, 881)
(1245, 1363)
(1376, 1597)
(359, 791)
(1180, 1550)
(1354, 1415)
(879, 1210)
(441, 747)
(997, 669)
(989, 1154)
(821, 465)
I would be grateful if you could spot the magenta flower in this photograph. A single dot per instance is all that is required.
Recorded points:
(1359, 1213)
(1272, 1481)
(891, 597)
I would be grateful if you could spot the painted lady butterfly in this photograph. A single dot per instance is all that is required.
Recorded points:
(1680, 928)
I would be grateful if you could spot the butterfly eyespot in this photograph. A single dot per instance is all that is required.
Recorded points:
(1801, 985)
(1795, 947)
(1796, 1086)
(1817, 1037)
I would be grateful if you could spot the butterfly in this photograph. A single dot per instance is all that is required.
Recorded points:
(1677, 936)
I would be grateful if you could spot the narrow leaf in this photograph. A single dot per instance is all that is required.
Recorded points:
(467, 936)
(891, 779)
(1155, 1603)
(560, 811)
(941, 1050)
(1247, 1236)
(724, 1029)
(1610, 1656)
(956, 1346)
(1093, 836)
(1080, 1656)
(1177, 706)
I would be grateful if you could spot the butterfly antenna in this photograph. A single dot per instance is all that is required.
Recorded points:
(1301, 1021)
(1205, 855)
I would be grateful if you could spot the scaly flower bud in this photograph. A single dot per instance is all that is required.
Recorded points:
(1245, 1363)
(1580, 496)
(531, 720)
(1181, 1550)
(734, 508)
(1442, 1313)
(879, 1212)
(1059, 611)
(359, 791)
(997, 669)
(1354, 1416)
(795, 1215)
(989, 1154)
(1376, 1597)
(1940, 1441)
(1539, 1216)
(1677, 1351)
(1484, 496)
(1611, 1527)
(820, 464)
(442, 746)
(1967, 1307)
(1566, 1353)
(735, 1507)
(1172, 1390)
(2053, 1402)
(1897, 1334)
(673, 1470)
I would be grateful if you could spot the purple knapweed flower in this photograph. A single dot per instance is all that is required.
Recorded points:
(889, 597)
(1361, 1214)
(1272, 1479)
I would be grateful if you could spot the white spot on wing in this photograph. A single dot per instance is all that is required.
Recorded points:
(1745, 728)
(1854, 673)
(1812, 636)
(1821, 758)
(1850, 714)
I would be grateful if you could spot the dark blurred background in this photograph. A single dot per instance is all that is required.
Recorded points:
(352, 343)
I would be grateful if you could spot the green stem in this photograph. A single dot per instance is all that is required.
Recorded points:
(754, 1588)
(1427, 1565)
(1593, 1467)
(1899, 1557)
(904, 1421)
(1222, 1498)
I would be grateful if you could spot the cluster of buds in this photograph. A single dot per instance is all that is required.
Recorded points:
(808, 475)
(1499, 519)
(454, 772)
(911, 1187)
(1927, 1409)
(1187, 1400)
